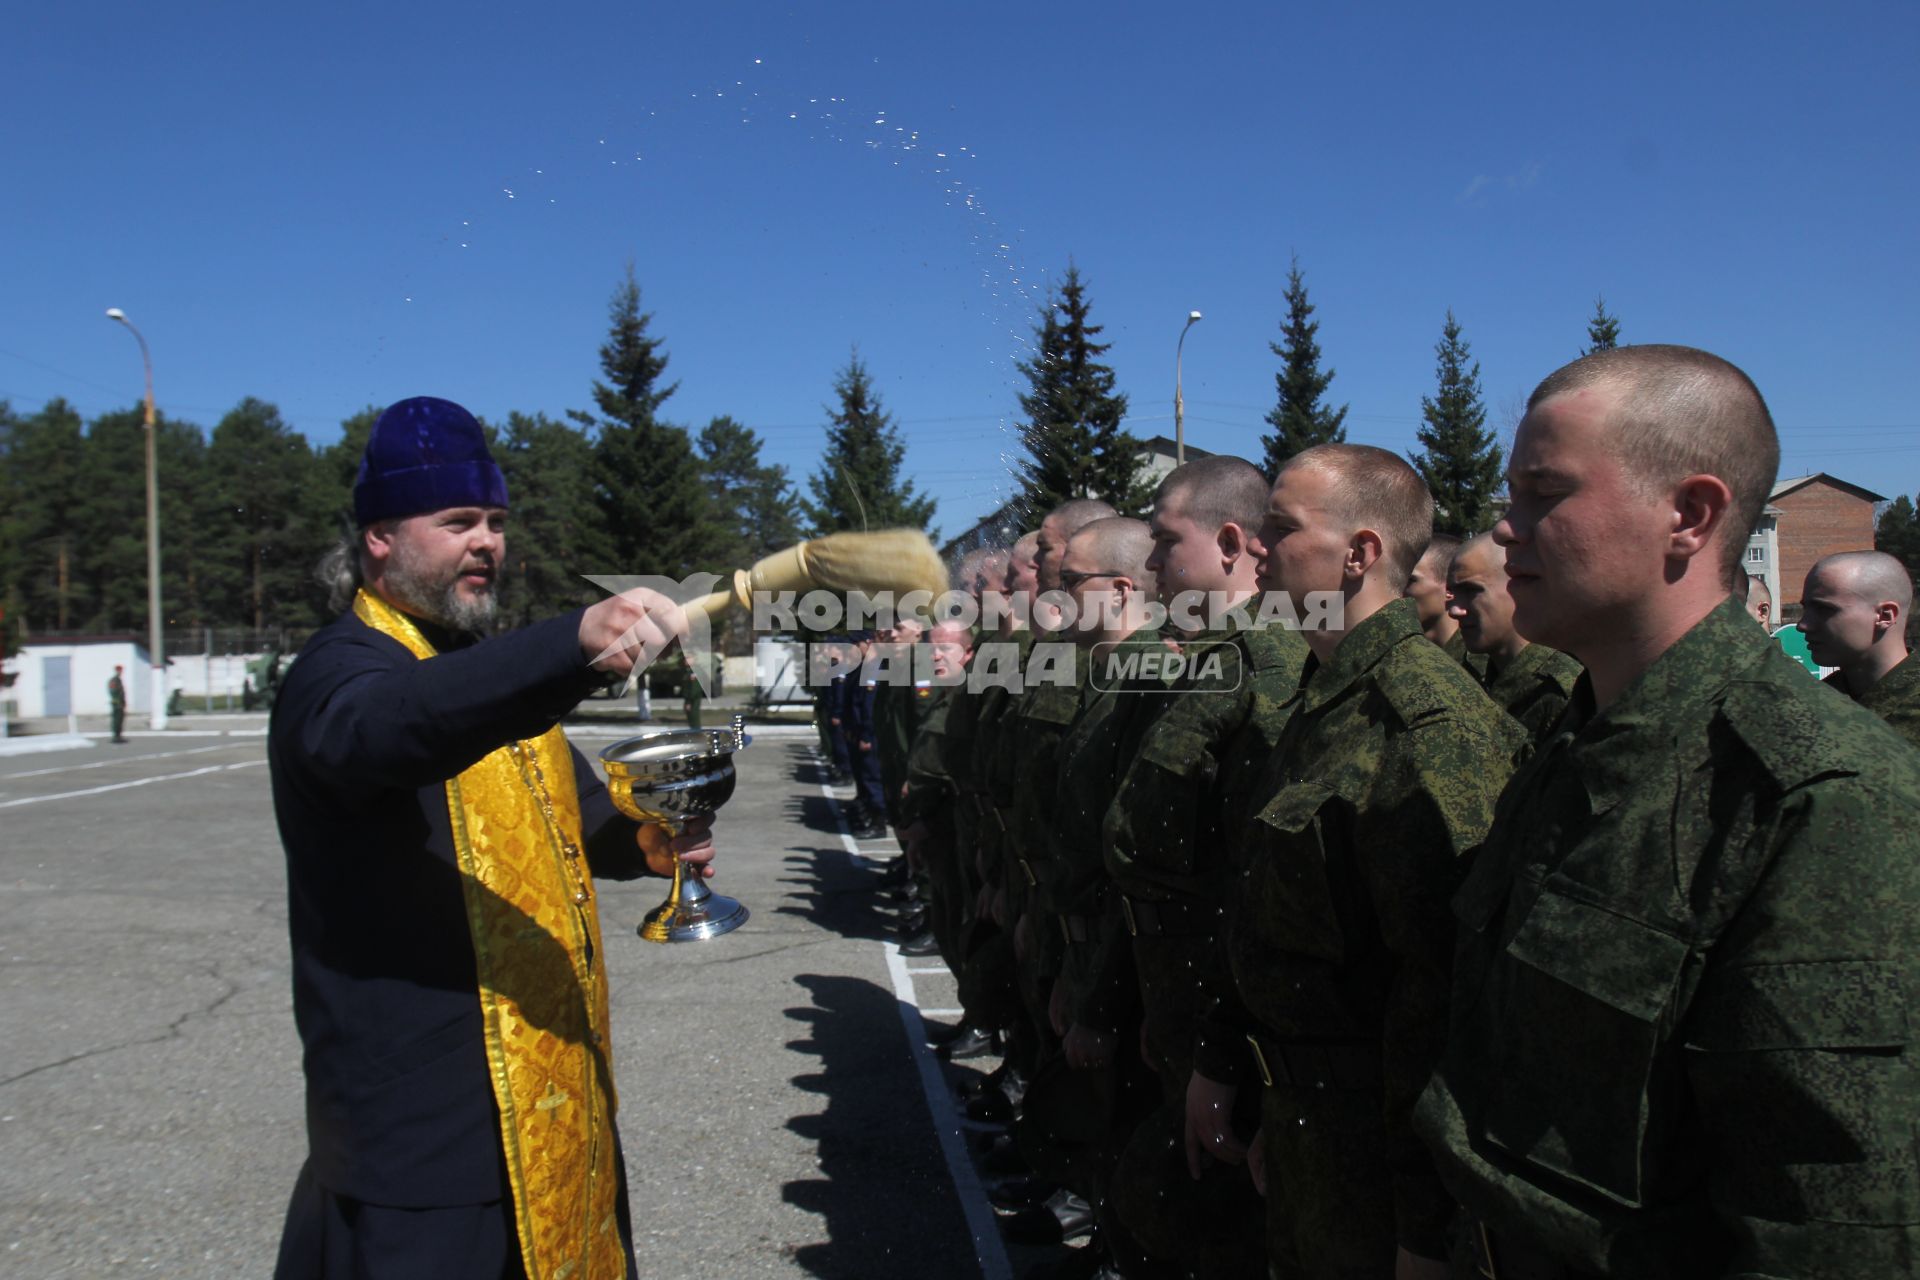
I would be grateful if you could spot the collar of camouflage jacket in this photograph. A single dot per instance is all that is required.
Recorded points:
(1679, 688)
(1359, 652)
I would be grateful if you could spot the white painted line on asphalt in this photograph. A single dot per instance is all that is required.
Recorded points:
(943, 971)
(137, 782)
(988, 1249)
(104, 734)
(40, 744)
(103, 764)
(941, 1013)
(982, 1224)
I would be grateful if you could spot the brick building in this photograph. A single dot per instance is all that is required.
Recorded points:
(1808, 517)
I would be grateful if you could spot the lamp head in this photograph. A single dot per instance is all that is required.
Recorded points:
(1192, 316)
(115, 313)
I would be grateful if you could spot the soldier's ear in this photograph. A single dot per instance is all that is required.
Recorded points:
(1702, 505)
(1363, 552)
(1232, 541)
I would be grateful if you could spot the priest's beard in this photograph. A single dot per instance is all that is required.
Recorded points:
(426, 591)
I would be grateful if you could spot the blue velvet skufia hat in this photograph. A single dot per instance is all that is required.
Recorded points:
(425, 454)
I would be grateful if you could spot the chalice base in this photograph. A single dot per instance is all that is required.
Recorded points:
(692, 913)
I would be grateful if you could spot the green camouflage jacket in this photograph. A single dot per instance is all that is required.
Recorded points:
(1120, 699)
(1680, 1041)
(929, 789)
(1219, 722)
(1534, 687)
(1896, 699)
(1385, 775)
(1032, 731)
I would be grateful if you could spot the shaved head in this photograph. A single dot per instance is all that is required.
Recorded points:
(1065, 520)
(1378, 490)
(1075, 514)
(981, 569)
(1681, 412)
(1217, 491)
(1872, 577)
(1438, 557)
(1117, 545)
(1854, 611)
(1480, 602)
(1479, 554)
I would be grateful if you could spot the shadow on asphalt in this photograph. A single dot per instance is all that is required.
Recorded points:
(884, 1192)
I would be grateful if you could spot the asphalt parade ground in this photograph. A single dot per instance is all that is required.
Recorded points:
(780, 1112)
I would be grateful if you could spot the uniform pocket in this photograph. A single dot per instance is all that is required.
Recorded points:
(1583, 998)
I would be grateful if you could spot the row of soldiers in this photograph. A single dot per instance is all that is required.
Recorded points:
(1407, 945)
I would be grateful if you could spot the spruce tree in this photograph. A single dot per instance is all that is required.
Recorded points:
(659, 517)
(261, 470)
(1073, 414)
(1460, 458)
(756, 500)
(44, 463)
(1603, 330)
(858, 485)
(556, 530)
(1299, 419)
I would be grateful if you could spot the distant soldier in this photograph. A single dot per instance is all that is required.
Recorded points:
(1855, 608)
(926, 809)
(1756, 595)
(117, 703)
(1529, 681)
(1181, 799)
(869, 797)
(691, 694)
(1427, 588)
(1385, 776)
(1083, 1098)
(1680, 1041)
(1032, 736)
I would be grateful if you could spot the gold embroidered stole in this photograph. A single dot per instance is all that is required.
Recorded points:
(543, 989)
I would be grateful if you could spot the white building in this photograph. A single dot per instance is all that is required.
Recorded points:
(70, 677)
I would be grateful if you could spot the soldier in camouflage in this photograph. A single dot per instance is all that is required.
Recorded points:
(1530, 682)
(1085, 1099)
(1176, 807)
(1338, 935)
(1679, 1041)
(926, 805)
(1855, 611)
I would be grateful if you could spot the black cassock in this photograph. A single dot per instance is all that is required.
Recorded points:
(404, 1174)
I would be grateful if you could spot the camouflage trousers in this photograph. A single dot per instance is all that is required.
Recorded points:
(1329, 1192)
(1211, 1227)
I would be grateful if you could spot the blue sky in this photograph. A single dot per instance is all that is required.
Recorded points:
(335, 206)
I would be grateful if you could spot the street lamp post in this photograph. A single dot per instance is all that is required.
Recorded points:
(1179, 405)
(157, 686)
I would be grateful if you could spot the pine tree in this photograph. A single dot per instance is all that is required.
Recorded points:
(1898, 533)
(1299, 419)
(339, 467)
(262, 472)
(1460, 458)
(556, 531)
(1603, 330)
(858, 485)
(43, 462)
(1073, 414)
(659, 517)
(756, 499)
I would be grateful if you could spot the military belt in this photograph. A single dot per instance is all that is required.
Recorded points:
(1075, 929)
(1351, 1064)
(1169, 919)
